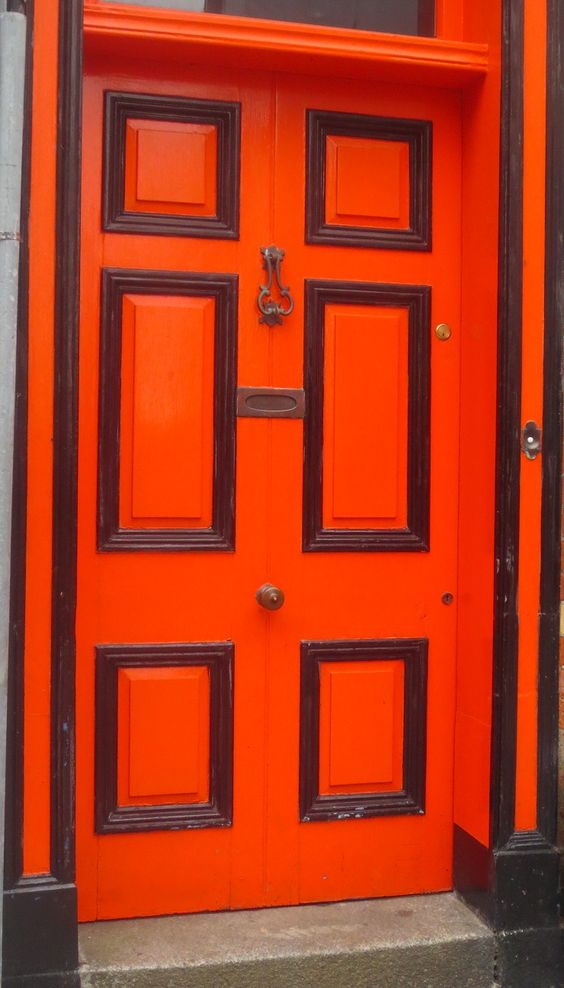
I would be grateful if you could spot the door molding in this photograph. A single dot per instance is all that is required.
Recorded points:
(178, 35)
(40, 929)
(514, 882)
(48, 902)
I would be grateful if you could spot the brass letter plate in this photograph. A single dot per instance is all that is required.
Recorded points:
(271, 403)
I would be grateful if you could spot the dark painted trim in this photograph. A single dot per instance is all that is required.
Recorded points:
(521, 899)
(549, 616)
(110, 818)
(418, 134)
(40, 931)
(411, 798)
(529, 958)
(508, 455)
(13, 836)
(40, 943)
(417, 300)
(471, 863)
(525, 883)
(226, 117)
(116, 283)
(426, 21)
(65, 439)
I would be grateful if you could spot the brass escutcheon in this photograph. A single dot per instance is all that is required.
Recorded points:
(443, 331)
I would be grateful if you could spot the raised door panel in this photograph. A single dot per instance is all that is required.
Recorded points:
(166, 463)
(367, 378)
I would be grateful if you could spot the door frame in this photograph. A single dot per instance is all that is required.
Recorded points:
(489, 877)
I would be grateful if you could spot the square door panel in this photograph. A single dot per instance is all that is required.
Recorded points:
(368, 181)
(363, 728)
(164, 736)
(367, 373)
(360, 726)
(167, 392)
(171, 166)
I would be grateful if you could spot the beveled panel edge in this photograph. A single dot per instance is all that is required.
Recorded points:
(417, 299)
(220, 537)
(417, 133)
(122, 106)
(215, 812)
(342, 806)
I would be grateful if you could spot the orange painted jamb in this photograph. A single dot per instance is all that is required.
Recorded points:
(123, 30)
(449, 19)
(531, 408)
(480, 210)
(37, 655)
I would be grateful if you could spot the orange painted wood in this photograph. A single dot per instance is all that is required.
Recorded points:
(163, 736)
(280, 46)
(37, 658)
(367, 182)
(157, 601)
(170, 168)
(534, 155)
(364, 595)
(167, 597)
(480, 212)
(361, 727)
(365, 480)
(267, 857)
(166, 468)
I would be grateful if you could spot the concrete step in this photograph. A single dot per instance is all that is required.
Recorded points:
(431, 941)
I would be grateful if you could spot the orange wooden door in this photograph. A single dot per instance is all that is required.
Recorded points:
(228, 756)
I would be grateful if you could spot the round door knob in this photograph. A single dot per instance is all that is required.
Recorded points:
(270, 597)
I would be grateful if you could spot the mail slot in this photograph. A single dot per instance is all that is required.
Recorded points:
(281, 403)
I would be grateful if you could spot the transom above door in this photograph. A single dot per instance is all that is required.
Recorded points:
(405, 17)
(267, 506)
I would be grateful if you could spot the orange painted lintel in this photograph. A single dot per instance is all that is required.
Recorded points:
(119, 29)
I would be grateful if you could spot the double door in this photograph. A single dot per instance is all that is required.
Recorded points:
(237, 750)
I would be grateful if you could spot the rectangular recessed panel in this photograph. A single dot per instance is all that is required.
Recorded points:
(365, 417)
(163, 735)
(361, 726)
(367, 182)
(171, 167)
(166, 443)
(166, 468)
(367, 429)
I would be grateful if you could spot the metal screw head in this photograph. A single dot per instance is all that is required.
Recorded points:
(447, 598)
(443, 331)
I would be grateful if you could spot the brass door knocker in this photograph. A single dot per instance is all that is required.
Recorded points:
(272, 312)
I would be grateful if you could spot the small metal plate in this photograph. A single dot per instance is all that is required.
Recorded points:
(271, 403)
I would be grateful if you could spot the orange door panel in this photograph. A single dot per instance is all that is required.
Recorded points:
(230, 756)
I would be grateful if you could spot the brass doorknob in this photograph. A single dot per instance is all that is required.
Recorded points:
(270, 597)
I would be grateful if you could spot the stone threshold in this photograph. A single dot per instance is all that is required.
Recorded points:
(426, 941)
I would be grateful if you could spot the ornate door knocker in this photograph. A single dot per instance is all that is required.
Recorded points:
(272, 312)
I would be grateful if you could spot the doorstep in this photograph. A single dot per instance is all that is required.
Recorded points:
(427, 941)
